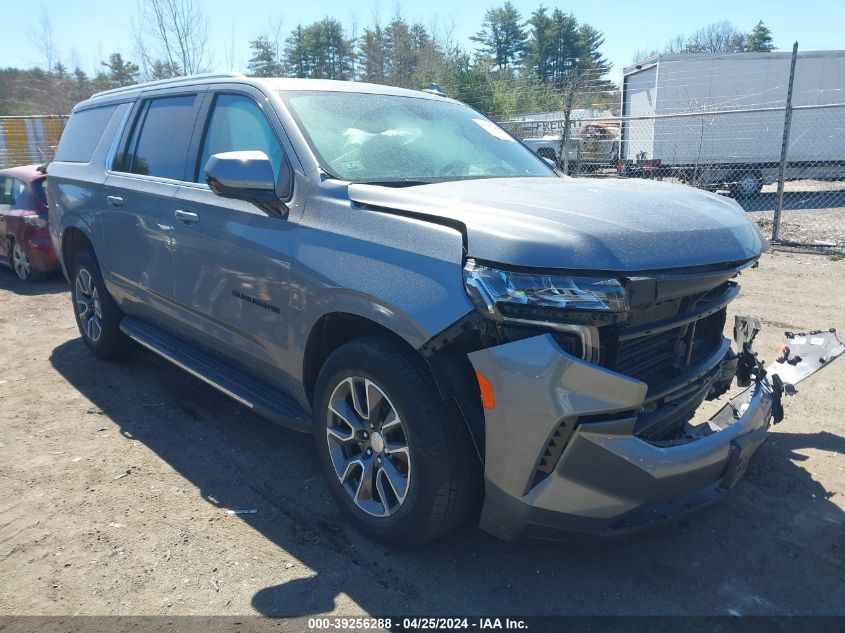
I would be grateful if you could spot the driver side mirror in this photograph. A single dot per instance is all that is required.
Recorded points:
(246, 175)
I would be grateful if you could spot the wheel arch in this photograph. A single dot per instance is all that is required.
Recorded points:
(75, 239)
(449, 368)
(334, 329)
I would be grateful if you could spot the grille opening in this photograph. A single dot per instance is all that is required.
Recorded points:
(658, 357)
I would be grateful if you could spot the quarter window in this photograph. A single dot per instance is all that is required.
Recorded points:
(83, 133)
(238, 124)
(18, 189)
(161, 146)
(38, 186)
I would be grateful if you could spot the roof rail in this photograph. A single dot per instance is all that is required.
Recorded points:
(167, 82)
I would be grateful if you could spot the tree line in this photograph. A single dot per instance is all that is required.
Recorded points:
(544, 61)
(719, 37)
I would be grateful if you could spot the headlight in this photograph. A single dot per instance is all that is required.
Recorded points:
(505, 295)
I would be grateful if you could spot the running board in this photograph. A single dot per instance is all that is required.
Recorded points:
(266, 400)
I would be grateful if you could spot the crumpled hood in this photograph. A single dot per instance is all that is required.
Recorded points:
(613, 225)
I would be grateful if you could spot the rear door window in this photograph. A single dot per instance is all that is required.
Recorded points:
(159, 146)
(82, 134)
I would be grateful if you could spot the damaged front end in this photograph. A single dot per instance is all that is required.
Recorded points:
(589, 413)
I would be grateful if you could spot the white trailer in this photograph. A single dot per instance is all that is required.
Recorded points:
(718, 120)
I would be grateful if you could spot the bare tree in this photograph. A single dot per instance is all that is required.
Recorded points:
(573, 84)
(276, 35)
(641, 54)
(719, 37)
(172, 32)
(677, 45)
(230, 54)
(42, 39)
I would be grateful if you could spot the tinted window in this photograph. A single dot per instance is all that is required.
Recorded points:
(82, 134)
(5, 190)
(38, 186)
(237, 123)
(165, 131)
(18, 188)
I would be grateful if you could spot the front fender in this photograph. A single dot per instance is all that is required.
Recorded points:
(341, 300)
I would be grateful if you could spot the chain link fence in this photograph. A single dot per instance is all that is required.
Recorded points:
(767, 129)
(776, 159)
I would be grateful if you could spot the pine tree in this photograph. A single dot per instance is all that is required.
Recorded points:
(565, 47)
(120, 72)
(328, 50)
(297, 63)
(264, 61)
(540, 49)
(372, 55)
(400, 53)
(760, 39)
(163, 70)
(502, 36)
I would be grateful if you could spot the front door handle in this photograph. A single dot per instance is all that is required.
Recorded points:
(188, 217)
(115, 201)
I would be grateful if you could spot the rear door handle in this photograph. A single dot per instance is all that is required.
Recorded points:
(115, 201)
(188, 217)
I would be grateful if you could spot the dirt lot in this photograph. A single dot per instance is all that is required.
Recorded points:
(115, 479)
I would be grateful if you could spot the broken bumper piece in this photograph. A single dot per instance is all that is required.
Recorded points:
(562, 457)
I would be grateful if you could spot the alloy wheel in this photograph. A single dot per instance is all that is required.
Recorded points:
(368, 446)
(88, 306)
(20, 262)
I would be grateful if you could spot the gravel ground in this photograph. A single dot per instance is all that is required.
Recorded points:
(814, 211)
(115, 479)
(805, 227)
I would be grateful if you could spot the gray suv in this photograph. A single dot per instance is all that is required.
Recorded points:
(458, 325)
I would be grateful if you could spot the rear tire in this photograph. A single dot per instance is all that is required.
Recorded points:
(399, 461)
(746, 185)
(97, 315)
(19, 262)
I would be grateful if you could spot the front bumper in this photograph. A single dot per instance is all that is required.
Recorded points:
(562, 457)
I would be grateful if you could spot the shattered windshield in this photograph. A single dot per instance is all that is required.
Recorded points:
(394, 139)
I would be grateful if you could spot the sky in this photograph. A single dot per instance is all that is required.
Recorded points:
(87, 31)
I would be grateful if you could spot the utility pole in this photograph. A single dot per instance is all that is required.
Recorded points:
(784, 148)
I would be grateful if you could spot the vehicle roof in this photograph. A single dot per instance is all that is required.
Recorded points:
(282, 84)
(27, 173)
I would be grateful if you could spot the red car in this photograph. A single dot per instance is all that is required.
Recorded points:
(25, 243)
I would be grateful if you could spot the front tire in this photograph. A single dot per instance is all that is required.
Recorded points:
(399, 461)
(97, 315)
